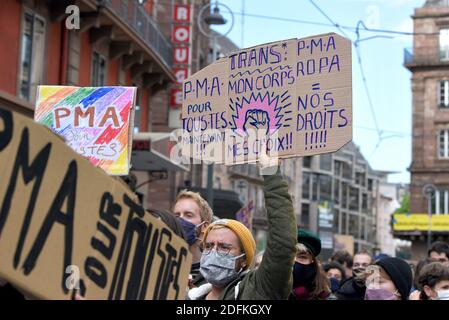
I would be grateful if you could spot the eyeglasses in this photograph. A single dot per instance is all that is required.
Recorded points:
(222, 249)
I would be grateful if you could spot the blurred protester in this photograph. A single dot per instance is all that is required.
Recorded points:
(335, 272)
(309, 280)
(434, 282)
(195, 215)
(439, 251)
(354, 287)
(344, 258)
(388, 279)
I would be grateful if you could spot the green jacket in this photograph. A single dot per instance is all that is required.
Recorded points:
(273, 279)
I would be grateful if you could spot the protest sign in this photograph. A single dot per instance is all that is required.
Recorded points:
(66, 224)
(94, 121)
(287, 98)
(245, 215)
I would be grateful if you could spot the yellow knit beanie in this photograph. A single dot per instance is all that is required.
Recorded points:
(242, 232)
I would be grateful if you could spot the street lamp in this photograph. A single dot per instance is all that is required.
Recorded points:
(429, 192)
(214, 18)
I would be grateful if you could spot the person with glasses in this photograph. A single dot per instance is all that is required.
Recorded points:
(229, 249)
(354, 287)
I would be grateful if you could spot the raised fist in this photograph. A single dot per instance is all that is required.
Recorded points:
(256, 119)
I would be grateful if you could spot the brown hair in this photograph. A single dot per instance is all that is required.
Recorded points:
(430, 275)
(321, 285)
(205, 210)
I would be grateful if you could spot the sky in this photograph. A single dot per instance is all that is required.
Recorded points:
(387, 80)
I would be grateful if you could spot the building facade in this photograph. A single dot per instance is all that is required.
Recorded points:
(429, 64)
(388, 200)
(346, 182)
(116, 43)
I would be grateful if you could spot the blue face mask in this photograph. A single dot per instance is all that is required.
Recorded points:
(335, 284)
(190, 230)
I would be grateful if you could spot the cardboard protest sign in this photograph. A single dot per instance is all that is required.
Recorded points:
(286, 98)
(245, 215)
(64, 222)
(94, 121)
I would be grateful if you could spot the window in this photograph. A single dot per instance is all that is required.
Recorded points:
(336, 191)
(325, 187)
(354, 199)
(307, 162)
(444, 44)
(326, 162)
(370, 184)
(363, 229)
(337, 168)
(365, 203)
(305, 214)
(336, 220)
(32, 55)
(344, 195)
(98, 70)
(347, 171)
(137, 111)
(360, 178)
(443, 94)
(306, 185)
(443, 144)
(344, 224)
(354, 225)
(440, 203)
(314, 187)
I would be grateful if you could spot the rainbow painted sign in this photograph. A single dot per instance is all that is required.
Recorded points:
(94, 121)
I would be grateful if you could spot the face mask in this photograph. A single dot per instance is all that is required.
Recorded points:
(358, 273)
(218, 269)
(190, 230)
(443, 294)
(303, 274)
(335, 284)
(379, 294)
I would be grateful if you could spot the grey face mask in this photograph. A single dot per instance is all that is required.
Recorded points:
(219, 269)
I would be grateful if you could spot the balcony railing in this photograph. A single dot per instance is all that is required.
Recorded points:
(135, 16)
(426, 56)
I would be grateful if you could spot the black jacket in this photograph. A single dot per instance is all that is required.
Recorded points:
(350, 290)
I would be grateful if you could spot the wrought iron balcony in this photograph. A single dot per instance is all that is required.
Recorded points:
(138, 20)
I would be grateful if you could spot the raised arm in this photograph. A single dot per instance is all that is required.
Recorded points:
(273, 277)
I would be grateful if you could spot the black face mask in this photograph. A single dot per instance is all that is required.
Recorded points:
(303, 275)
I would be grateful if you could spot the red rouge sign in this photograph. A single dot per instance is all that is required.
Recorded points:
(182, 39)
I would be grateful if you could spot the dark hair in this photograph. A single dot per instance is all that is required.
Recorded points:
(342, 257)
(430, 275)
(439, 247)
(170, 220)
(335, 265)
(419, 266)
(365, 252)
(321, 283)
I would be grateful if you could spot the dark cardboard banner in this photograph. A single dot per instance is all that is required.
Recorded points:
(65, 224)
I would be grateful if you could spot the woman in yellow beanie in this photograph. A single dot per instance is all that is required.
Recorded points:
(229, 250)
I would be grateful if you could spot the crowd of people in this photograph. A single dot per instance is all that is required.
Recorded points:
(226, 266)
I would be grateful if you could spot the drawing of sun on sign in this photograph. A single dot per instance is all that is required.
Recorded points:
(268, 112)
(285, 99)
